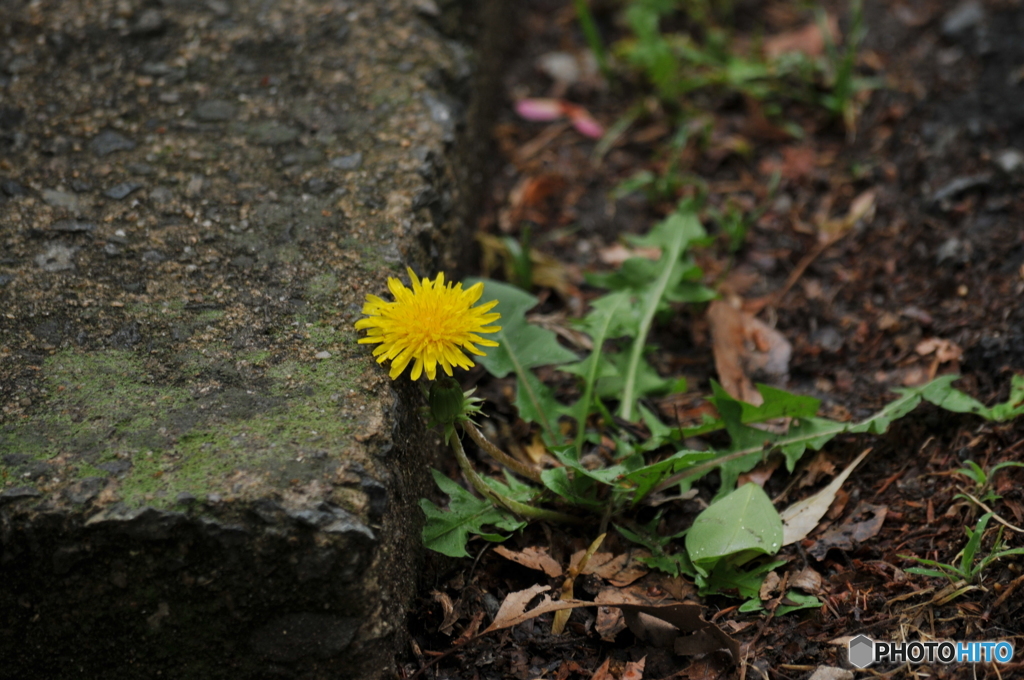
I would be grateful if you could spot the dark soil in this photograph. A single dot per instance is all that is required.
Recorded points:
(943, 257)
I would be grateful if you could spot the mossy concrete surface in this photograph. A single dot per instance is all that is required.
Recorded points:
(202, 474)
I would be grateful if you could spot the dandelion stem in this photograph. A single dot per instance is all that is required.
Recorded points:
(497, 454)
(515, 507)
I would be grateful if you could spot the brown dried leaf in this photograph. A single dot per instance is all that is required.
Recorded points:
(536, 450)
(798, 162)
(913, 17)
(651, 629)
(809, 40)
(470, 630)
(532, 558)
(617, 253)
(807, 580)
(838, 505)
(852, 531)
(549, 272)
(609, 621)
(618, 570)
(546, 271)
(655, 588)
(799, 519)
(745, 347)
(769, 586)
(686, 410)
(450, 615)
(831, 673)
(677, 626)
(758, 126)
(513, 609)
(662, 625)
(660, 588)
(862, 207)
(530, 197)
(912, 376)
(944, 350)
(603, 671)
(523, 154)
(634, 670)
(739, 280)
(820, 466)
(761, 473)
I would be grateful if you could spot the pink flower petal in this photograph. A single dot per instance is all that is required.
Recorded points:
(540, 109)
(583, 121)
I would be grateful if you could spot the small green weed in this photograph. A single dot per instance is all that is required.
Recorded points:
(678, 63)
(519, 258)
(969, 568)
(662, 558)
(983, 490)
(668, 183)
(842, 85)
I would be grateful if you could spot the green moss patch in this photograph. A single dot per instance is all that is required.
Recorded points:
(108, 415)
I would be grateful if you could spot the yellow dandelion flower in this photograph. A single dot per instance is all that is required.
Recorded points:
(428, 325)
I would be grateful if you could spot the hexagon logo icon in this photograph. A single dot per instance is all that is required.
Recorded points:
(862, 651)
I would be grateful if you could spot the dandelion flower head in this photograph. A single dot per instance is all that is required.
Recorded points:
(429, 325)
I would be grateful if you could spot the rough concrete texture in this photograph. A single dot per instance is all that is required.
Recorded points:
(201, 474)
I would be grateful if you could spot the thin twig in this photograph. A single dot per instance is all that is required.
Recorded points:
(995, 516)
(775, 299)
(1010, 589)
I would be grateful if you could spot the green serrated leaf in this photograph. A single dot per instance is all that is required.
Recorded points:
(536, 403)
(750, 445)
(647, 383)
(674, 278)
(447, 532)
(672, 235)
(907, 401)
(941, 393)
(523, 346)
(638, 180)
(661, 433)
(740, 526)
(934, 573)
(512, 488)
(804, 433)
(603, 322)
(579, 490)
(609, 370)
(633, 274)
(777, 404)
(649, 476)
(568, 457)
(751, 606)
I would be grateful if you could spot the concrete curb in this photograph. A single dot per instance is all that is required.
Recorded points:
(201, 473)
